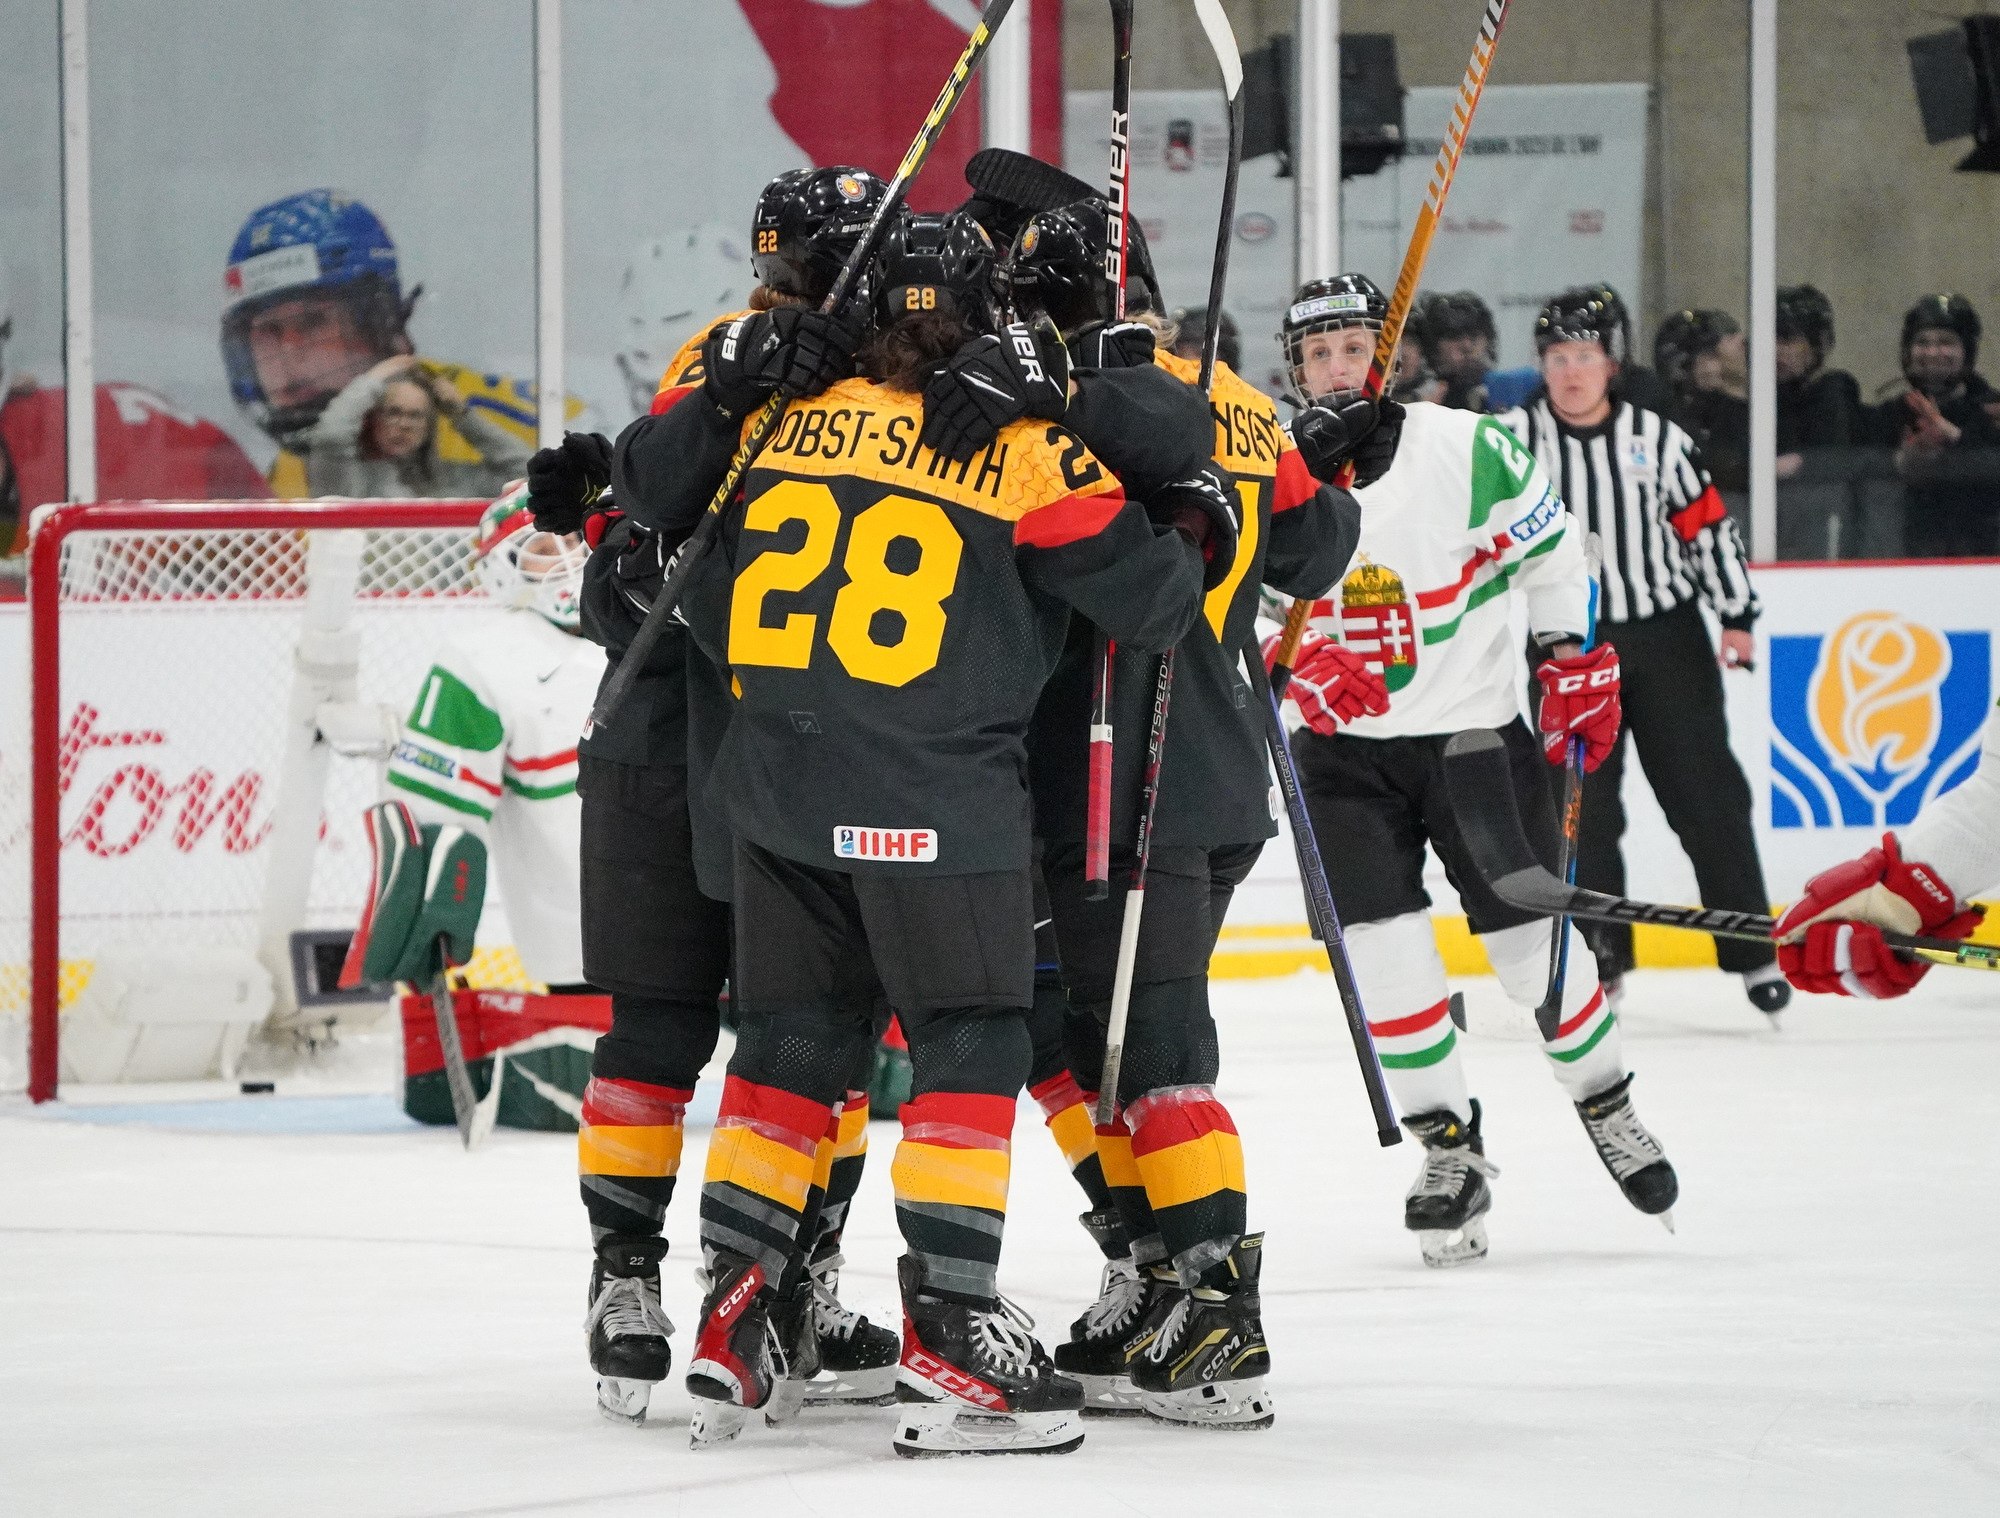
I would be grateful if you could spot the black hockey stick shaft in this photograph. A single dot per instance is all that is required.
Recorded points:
(1319, 903)
(1482, 797)
(619, 686)
(1097, 817)
(1548, 1016)
(1230, 60)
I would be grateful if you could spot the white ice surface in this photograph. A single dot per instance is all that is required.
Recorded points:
(360, 1323)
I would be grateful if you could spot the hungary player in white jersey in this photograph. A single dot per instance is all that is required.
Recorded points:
(1457, 520)
(1831, 940)
(490, 741)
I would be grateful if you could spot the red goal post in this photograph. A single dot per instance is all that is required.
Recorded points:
(182, 792)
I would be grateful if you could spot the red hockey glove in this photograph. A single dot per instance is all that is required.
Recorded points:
(1331, 683)
(1831, 940)
(1580, 700)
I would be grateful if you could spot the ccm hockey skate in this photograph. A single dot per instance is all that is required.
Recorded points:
(1113, 1331)
(1446, 1205)
(857, 1358)
(735, 1366)
(1205, 1361)
(1633, 1156)
(626, 1330)
(973, 1381)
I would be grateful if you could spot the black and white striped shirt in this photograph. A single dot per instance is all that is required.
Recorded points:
(1637, 481)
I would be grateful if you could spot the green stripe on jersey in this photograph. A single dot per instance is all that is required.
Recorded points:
(443, 798)
(1501, 468)
(1481, 594)
(448, 711)
(538, 792)
(1422, 1057)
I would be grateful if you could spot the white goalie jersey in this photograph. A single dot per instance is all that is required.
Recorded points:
(490, 744)
(1463, 516)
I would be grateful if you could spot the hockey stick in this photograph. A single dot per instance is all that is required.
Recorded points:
(1097, 817)
(464, 1104)
(1548, 1016)
(620, 683)
(1319, 902)
(1482, 797)
(1469, 90)
(1216, 24)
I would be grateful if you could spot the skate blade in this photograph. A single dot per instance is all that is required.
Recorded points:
(622, 1401)
(1666, 1219)
(1230, 1406)
(787, 1398)
(1445, 1247)
(715, 1423)
(852, 1388)
(928, 1430)
(1108, 1396)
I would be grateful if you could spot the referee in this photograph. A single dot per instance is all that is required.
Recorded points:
(1637, 481)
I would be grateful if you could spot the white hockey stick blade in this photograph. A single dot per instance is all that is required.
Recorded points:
(1221, 37)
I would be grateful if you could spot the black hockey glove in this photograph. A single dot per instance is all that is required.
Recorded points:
(1113, 345)
(1360, 430)
(794, 348)
(1208, 509)
(992, 381)
(567, 481)
(641, 571)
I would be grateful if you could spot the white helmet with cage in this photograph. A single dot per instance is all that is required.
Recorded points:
(527, 569)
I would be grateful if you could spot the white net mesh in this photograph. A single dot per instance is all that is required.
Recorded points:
(177, 669)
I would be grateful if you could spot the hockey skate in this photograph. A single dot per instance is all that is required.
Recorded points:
(1633, 1156)
(857, 1358)
(795, 1346)
(1206, 1361)
(735, 1364)
(626, 1330)
(973, 1381)
(1112, 1332)
(1446, 1205)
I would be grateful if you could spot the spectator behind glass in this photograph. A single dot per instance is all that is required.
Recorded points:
(1456, 334)
(314, 298)
(1818, 407)
(1945, 430)
(378, 437)
(1704, 367)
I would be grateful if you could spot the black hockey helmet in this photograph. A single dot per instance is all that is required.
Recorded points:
(1057, 266)
(1322, 305)
(934, 263)
(1804, 312)
(807, 223)
(1586, 314)
(1946, 313)
(1461, 313)
(1686, 336)
(1191, 331)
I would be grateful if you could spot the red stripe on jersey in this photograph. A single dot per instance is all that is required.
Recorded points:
(1057, 1094)
(1416, 1022)
(1705, 510)
(669, 395)
(991, 1116)
(611, 1102)
(797, 1115)
(1163, 1125)
(546, 762)
(1295, 485)
(1428, 600)
(476, 782)
(1069, 520)
(1584, 1016)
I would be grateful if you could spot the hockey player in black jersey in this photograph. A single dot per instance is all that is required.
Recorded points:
(1172, 1157)
(890, 616)
(656, 866)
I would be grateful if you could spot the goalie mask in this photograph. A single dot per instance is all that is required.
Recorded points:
(1322, 309)
(524, 568)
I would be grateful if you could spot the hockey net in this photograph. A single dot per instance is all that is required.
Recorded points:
(179, 792)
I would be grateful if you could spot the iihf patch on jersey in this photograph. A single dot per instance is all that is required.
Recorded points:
(1638, 457)
(1377, 622)
(890, 845)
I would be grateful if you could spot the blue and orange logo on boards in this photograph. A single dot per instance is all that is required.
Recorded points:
(1872, 721)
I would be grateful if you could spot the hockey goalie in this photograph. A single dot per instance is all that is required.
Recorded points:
(486, 765)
